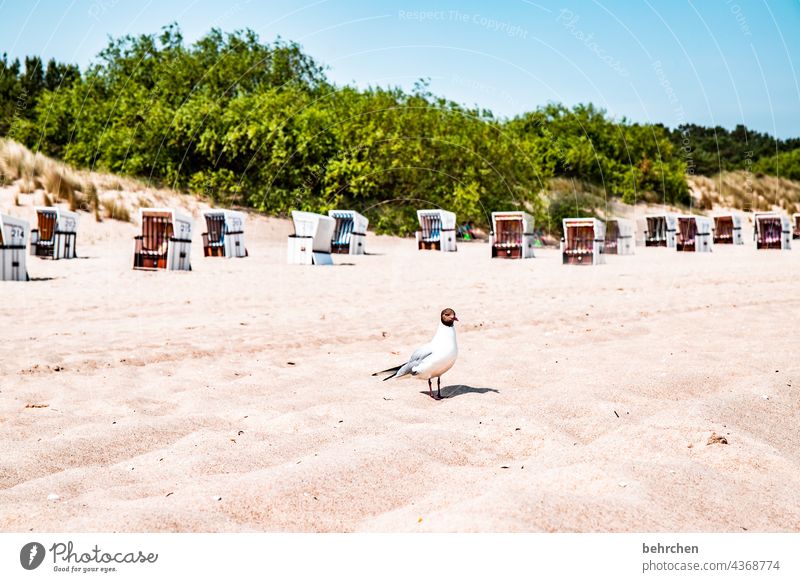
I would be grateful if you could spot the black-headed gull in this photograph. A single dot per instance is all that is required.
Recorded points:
(434, 358)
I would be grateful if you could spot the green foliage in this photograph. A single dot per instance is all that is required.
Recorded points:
(628, 160)
(21, 90)
(711, 150)
(785, 165)
(259, 125)
(571, 204)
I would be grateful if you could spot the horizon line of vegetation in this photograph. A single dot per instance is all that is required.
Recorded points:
(259, 125)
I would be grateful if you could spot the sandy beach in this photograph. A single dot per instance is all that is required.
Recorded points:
(238, 396)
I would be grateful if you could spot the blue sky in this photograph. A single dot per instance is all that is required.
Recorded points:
(713, 62)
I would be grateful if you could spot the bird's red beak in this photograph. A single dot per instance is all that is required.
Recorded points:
(455, 318)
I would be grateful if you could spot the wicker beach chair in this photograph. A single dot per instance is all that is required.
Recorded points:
(56, 233)
(512, 235)
(224, 236)
(13, 245)
(349, 233)
(165, 241)
(619, 237)
(583, 242)
(311, 242)
(437, 230)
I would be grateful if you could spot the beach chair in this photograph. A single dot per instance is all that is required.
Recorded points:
(349, 233)
(772, 231)
(55, 234)
(728, 229)
(437, 230)
(311, 242)
(224, 236)
(694, 234)
(796, 225)
(13, 242)
(583, 242)
(165, 242)
(619, 238)
(660, 230)
(512, 235)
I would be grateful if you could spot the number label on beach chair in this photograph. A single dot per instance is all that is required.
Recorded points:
(13, 246)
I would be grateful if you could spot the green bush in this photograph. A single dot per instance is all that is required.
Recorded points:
(259, 125)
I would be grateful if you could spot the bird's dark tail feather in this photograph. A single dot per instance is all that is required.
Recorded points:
(392, 370)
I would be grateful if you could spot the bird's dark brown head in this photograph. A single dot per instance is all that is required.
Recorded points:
(448, 317)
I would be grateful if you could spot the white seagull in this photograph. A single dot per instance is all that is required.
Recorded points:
(434, 358)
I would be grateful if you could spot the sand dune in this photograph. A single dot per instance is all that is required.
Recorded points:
(582, 399)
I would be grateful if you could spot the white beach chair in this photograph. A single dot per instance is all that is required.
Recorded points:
(694, 234)
(620, 237)
(311, 242)
(660, 230)
(772, 231)
(224, 236)
(349, 233)
(165, 241)
(728, 229)
(512, 235)
(13, 246)
(437, 230)
(583, 242)
(55, 234)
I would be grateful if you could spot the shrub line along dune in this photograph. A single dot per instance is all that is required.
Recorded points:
(259, 125)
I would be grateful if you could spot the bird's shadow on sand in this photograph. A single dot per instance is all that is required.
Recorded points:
(461, 389)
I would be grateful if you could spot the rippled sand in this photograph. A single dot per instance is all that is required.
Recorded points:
(582, 399)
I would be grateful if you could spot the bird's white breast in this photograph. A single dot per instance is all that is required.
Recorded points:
(443, 355)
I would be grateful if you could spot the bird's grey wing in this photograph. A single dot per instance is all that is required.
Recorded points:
(416, 358)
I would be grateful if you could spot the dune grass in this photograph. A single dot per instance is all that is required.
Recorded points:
(101, 193)
(61, 183)
(746, 191)
(116, 210)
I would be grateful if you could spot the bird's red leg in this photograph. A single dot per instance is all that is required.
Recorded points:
(439, 386)
(430, 388)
